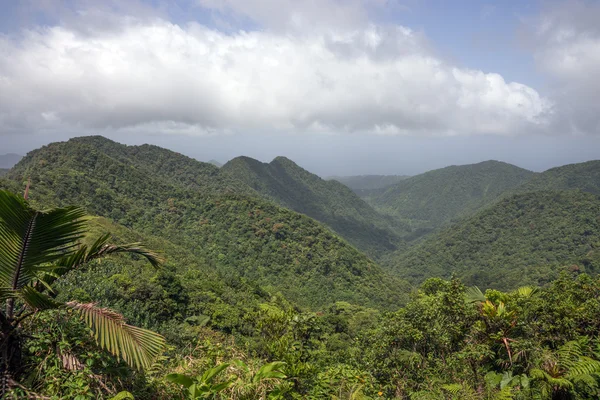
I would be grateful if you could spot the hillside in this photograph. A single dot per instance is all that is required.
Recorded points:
(330, 202)
(518, 241)
(3, 171)
(369, 182)
(431, 199)
(583, 176)
(159, 192)
(8, 160)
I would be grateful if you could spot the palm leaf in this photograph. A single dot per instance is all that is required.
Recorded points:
(136, 346)
(474, 295)
(99, 249)
(37, 300)
(30, 239)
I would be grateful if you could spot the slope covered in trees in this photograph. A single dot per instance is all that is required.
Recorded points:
(156, 191)
(3, 171)
(431, 199)
(520, 240)
(330, 202)
(583, 176)
(369, 182)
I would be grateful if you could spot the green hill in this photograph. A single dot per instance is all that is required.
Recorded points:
(369, 182)
(520, 240)
(330, 202)
(431, 199)
(3, 171)
(162, 193)
(583, 176)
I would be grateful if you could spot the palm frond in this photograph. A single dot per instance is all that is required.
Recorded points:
(97, 250)
(37, 300)
(474, 295)
(136, 346)
(30, 239)
(526, 291)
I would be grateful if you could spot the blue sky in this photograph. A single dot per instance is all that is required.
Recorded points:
(342, 86)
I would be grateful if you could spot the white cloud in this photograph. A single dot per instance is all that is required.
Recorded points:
(156, 75)
(566, 47)
(300, 15)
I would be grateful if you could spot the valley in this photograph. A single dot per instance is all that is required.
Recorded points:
(267, 262)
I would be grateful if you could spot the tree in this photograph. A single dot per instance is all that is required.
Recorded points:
(36, 249)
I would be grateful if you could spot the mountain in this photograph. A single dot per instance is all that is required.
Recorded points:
(216, 163)
(330, 202)
(431, 199)
(3, 171)
(369, 182)
(519, 240)
(367, 186)
(8, 160)
(583, 176)
(218, 219)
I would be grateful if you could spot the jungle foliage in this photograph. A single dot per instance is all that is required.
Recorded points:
(256, 301)
(440, 196)
(158, 192)
(523, 239)
(329, 202)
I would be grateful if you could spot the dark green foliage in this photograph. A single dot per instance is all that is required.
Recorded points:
(158, 192)
(437, 197)
(275, 305)
(367, 186)
(520, 240)
(327, 201)
(583, 176)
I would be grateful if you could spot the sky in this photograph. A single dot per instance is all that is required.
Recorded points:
(343, 87)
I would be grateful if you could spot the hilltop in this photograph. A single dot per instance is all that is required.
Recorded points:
(436, 197)
(330, 202)
(583, 176)
(8, 160)
(520, 240)
(217, 218)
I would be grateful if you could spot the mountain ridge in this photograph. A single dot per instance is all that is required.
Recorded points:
(190, 203)
(330, 202)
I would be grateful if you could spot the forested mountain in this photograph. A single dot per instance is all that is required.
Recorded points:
(431, 199)
(159, 192)
(330, 202)
(369, 182)
(520, 240)
(216, 163)
(8, 160)
(366, 186)
(256, 301)
(584, 176)
(3, 171)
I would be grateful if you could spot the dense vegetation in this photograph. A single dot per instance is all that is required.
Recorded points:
(583, 176)
(367, 182)
(330, 202)
(3, 171)
(522, 239)
(431, 199)
(156, 191)
(256, 301)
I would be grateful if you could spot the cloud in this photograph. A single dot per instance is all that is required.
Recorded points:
(299, 15)
(154, 75)
(565, 40)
